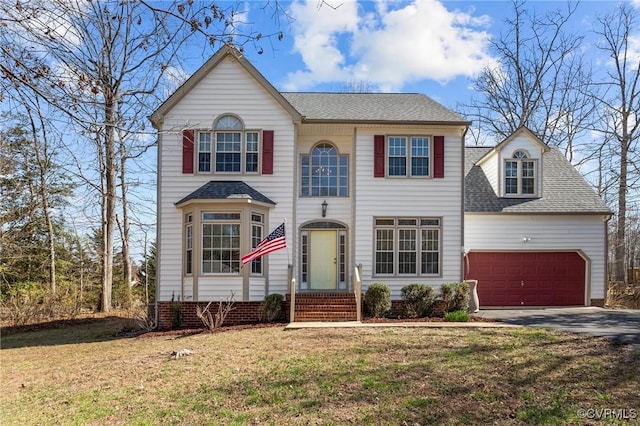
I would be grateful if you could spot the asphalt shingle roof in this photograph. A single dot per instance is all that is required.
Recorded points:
(564, 190)
(223, 189)
(371, 107)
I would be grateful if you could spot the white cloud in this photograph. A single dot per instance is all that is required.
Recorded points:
(388, 45)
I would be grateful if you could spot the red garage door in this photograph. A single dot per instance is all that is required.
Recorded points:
(528, 278)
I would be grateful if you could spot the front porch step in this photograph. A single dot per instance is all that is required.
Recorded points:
(325, 307)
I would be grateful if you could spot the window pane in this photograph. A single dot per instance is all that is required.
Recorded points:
(511, 177)
(384, 251)
(419, 156)
(324, 172)
(397, 156)
(430, 251)
(228, 152)
(256, 237)
(407, 245)
(221, 248)
(228, 122)
(252, 151)
(528, 177)
(204, 152)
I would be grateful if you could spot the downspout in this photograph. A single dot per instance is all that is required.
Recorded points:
(606, 261)
(462, 247)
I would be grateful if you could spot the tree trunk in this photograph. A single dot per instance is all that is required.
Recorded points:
(621, 225)
(109, 204)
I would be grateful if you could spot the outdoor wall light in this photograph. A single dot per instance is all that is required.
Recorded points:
(526, 239)
(324, 208)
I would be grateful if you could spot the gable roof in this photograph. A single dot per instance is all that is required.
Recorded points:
(371, 108)
(224, 52)
(379, 108)
(520, 130)
(564, 190)
(226, 189)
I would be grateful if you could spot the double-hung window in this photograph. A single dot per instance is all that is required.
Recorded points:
(230, 147)
(324, 172)
(407, 246)
(408, 156)
(520, 175)
(220, 243)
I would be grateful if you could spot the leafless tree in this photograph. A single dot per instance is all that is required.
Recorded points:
(619, 117)
(100, 65)
(537, 81)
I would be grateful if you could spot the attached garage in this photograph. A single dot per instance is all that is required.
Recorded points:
(528, 278)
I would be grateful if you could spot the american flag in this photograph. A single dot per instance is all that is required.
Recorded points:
(274, 241)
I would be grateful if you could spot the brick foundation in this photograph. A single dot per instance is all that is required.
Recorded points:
(244, 313)
(397, 309)
(597, 302)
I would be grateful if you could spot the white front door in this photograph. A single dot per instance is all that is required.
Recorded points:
(323, 260)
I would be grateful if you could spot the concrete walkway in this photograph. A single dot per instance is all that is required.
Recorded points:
(407, 324)
(619, 324)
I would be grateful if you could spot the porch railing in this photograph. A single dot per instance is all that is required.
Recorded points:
(357, 290)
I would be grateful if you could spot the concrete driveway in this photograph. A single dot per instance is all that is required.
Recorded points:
(618, 324)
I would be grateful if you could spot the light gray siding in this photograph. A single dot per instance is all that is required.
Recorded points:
(227, 89)
(409, 197)
(546, 233)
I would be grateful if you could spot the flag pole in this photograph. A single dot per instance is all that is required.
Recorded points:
(285, 233)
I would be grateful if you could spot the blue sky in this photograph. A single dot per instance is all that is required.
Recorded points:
(427, 46)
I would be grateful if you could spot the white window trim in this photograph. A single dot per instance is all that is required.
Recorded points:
(519, 161)
(396, 252)
(243, 152)
(408, 157)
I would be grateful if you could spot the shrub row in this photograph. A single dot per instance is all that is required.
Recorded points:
(419, 300)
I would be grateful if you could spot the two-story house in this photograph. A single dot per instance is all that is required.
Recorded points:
(367, 184)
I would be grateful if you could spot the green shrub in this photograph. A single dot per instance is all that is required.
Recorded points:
(377, 299)
(419, 300)
(271, 307)
(455, 296)
(457, 316)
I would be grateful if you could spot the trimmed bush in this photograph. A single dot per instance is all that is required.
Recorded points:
(457, 316)
(419, 300)
(455, 297)
(271, 307)
(377, 299)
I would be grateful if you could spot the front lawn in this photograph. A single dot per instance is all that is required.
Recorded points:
(85, 374)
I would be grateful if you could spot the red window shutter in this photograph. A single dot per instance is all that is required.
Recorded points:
(267, 152)
(187, 150)
(438, 156)
(378, 156)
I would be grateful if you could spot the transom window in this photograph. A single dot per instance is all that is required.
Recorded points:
(407, 246)
(324, 172)
(520, 175)
(235, 150)
(408, 155)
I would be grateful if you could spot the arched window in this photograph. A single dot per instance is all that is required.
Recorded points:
(234, 149)
(324, 172)
(520, 175)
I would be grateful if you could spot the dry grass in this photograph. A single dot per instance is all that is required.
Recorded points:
(85, 374)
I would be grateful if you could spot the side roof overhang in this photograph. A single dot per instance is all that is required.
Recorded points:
(226, 51)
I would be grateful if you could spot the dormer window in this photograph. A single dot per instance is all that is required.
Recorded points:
(520, 175)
